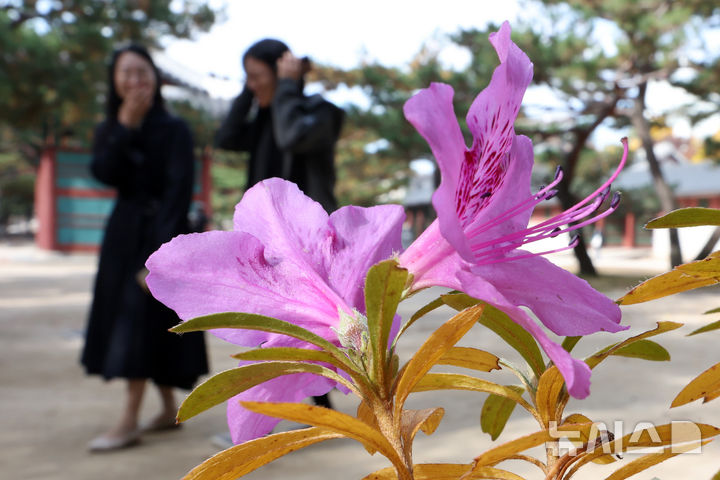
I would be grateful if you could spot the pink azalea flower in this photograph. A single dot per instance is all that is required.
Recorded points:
(484, 205)
(286, 258)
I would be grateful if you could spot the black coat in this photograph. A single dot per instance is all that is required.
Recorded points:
(152, 170)
(293, 139)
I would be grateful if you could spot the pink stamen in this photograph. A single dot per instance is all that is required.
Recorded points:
(552, 227)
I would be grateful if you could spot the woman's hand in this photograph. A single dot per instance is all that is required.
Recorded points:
(135, 106)
(289, 66)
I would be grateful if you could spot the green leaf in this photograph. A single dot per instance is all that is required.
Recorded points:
(243, 459)
(496, 411)
(644, 349)
(601, 355)
(384, 286)
(569, 343)
(706, 328)
(229, 383)
(686, 217)
(250, 321)
(441, 341)
(287, 354)
(682, 278)
(714, 310)
(434, 305)
(454, 381)
(497, 321)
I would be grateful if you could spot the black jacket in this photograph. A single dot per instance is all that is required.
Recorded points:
(293, 139)
(152, 171)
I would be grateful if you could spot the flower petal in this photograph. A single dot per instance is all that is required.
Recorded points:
(492, 114)
(575, 372)
(364, 237)
(564, 303)
(287, 222)
(494, 220)
(431, 112)
(216, 272)
(246, 425)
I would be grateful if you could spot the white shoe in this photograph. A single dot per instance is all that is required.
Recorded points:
(105, 443)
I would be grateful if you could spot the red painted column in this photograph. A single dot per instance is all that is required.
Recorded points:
(629, 234)
(45, 211)
(207, 185)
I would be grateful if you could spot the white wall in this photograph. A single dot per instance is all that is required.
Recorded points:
(692, 239)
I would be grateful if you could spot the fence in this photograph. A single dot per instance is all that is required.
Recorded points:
(71, 206)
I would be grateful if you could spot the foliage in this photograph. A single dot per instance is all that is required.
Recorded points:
(686, 277)
(53, 72)
(384, 425)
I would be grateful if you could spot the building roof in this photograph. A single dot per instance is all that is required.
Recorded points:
(687, 180)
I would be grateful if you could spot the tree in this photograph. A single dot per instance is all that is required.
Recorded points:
(569, 66)
(650, 47)
(53, 72)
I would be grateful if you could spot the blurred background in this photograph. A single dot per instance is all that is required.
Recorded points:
(603, 70)
(648, 70)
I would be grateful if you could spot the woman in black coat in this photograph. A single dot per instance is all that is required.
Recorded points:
(288, 135)
(147, 156)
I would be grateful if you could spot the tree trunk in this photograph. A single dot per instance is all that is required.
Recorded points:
(663, 190)
(566, 198)
(709, 245)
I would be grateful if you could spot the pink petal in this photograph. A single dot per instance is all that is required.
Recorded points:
(575, 372)
(287, 222)
(216, 272)
(431, 112)
(246, 425)
(493, 221)
(564, 303)
(364, 237)
(492, 115)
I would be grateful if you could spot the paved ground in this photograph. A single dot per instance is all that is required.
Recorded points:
(50, 409)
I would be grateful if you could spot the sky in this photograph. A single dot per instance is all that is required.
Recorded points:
(337, 33)
(343, 34)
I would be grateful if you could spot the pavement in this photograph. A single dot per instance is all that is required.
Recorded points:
(51, 409)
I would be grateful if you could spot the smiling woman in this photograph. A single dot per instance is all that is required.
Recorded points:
(146, 155)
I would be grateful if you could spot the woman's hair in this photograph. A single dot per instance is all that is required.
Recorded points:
(267, 51)
(113, 99)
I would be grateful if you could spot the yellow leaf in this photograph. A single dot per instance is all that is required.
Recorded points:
(549, 388)
(647, 461)
(711, 396)
(442, 340)
(716, 476)
(445, 471)
(244, 458)
(674, 433)
(707, 384)
(365, 414)
(454, 381)
(339, 422)
(513, 447)
(470, 358)
(414, 420)
(682, 278)
(585, 437)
